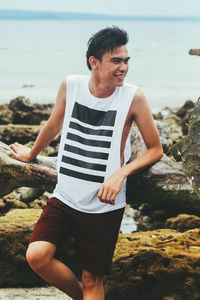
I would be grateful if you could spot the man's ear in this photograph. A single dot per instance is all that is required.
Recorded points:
(93, 61)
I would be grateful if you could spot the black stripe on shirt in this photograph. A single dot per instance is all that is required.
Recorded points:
(94, 143)
(86, 153)
(86, 130)
(92, 116)
(82, 176)
(83, 164)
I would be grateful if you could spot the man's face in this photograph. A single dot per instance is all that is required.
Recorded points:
(113, 67)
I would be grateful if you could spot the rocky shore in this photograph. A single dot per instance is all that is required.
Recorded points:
(163, 202)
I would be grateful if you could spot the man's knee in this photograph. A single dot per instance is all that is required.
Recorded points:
(89, 281)
(40, 254)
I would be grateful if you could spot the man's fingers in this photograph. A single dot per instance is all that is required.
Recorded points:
(104, 196)
(107, 197)
(11, 153)
(13, 147)
(100, 192)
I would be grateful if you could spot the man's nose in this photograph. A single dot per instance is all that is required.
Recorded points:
(123, 66)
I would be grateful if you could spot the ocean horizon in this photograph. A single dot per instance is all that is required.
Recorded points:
(8, 14)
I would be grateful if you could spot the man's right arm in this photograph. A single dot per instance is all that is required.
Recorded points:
(47, 133)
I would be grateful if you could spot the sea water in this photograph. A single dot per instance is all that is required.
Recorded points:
(35, 56)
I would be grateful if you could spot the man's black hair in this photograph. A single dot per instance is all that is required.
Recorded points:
(104, 41)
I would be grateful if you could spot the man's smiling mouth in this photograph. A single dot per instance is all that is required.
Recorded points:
(120, 76)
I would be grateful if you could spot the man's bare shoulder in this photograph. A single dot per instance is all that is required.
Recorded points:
(62, 92)
(63, 86)
(139, 97)
(139, 102)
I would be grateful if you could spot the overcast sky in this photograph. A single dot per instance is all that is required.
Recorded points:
(124, 7)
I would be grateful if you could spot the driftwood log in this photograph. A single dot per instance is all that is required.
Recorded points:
(163, 182)
(14, 174)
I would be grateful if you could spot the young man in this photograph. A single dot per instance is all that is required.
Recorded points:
(95, 114)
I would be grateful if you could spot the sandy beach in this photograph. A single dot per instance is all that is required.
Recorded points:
(41, 293)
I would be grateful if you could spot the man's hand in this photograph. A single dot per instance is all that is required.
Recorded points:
(20, 152)
(111, 187)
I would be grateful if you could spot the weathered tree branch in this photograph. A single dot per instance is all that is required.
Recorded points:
(163, 184)
(164, 181)
(14, 173)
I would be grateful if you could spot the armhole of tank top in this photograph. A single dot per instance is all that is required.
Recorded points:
(68, 79)
(131, 99)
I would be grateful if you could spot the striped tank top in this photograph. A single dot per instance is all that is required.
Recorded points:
(89, 150)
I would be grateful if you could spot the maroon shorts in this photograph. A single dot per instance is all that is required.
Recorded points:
(95, 234)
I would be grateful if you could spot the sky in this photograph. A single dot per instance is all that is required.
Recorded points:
(111, 7)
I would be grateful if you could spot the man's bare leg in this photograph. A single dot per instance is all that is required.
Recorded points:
(92, 287)
(40, 256)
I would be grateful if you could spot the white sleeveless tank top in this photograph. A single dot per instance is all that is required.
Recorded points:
(89, 150)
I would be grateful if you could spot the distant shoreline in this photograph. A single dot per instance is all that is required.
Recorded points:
(67, 16)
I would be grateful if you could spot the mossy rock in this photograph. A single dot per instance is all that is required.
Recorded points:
(183, 222)
(160, 264)
(15, 231)
(189, 149)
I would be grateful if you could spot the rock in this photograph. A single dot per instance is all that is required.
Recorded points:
(149, 217)
(162, 191)
(143, 261)
(194, 52)
(24, 197)
(158, 116)
(41, 201)
(11, 201)
(6, 115)
(37, 204)
(172, 119)
(175, 153)
(165, 136)
(26, 135)
(184, 113)
(20, 133)
(188, 149)
(3, 208)
(177, 120)
(175, 129)
(27, 113)
(27, 194)
(21, 104)
(183, 222)
(160, 264)
(163, 113)
(15, 231)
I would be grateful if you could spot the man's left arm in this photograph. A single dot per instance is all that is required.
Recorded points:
(141, 113)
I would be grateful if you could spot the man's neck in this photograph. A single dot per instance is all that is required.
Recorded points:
(100, 90)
